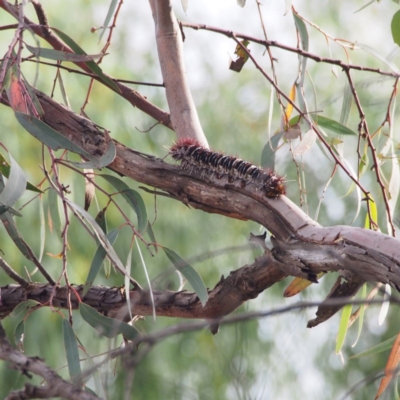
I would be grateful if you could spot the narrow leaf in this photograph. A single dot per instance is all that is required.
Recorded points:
(391, 366)
(268, 152)
(5, 171)
(361, 313)
(107, 327)
(71, 350)
(381, 347)
(189, 273)
(91, 64)
(61, 55)
(128, 267)
(111, 253)
(385, 305)
(48, 136)
(54, 212)
(373, 213)
(152, 236)
(109, 15)
(15, 186)
(133, 198)
(343, 327)
(97, 261)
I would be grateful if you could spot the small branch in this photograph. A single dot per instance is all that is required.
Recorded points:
(56, 386)
(274, 43)
(12, 274)
(132, 96)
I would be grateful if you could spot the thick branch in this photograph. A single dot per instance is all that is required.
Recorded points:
(185, 120)
(299, 240)
(229, 293)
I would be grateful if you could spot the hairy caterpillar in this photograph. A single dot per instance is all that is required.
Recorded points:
(199, 160)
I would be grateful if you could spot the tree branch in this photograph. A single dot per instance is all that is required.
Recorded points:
(185, 120)
(129, 94)
(56, 386)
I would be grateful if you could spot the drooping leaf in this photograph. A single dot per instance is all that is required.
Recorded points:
(5, 170)
(97, 261)
(268, 152)
(189, 273)
(110, 13)
(57, 55)
(361, 313)
(385, 304)
(152, 236)
(289, 107)
(54, 213)
(71, 351)
(133, 198)
(391, 366)
(147, 279)
(111, 253)
(379, 56)
(91, 64)
(15, 186)
(371, 217)
(13, 232)
(379, 348)
(343, 327)
(105, 326)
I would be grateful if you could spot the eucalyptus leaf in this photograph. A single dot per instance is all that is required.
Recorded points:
(189, 273)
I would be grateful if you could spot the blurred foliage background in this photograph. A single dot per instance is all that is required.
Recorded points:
(276, 357)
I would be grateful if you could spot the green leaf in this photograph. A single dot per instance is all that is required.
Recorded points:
(268, 153)
(109, 15)
(346, 105)
(152, 236)
(327, 123)
(379, 56)
(189, 273)
(12, 231)
(101, 162)
(108, 327)
(133, 198)
(111, 253)
(21, 309)
(15, 186)
(395, 26)
(48, 136)
(61, 55)
(91, 64)
(19, 334)
(54, 213)
(302, 29)
(361, 314)
(374, 215)
(72, 352)
(343, 327)
(5, 170)
(383, 346)
(97, 261)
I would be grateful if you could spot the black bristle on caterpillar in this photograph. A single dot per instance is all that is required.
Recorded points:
(199, 160)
